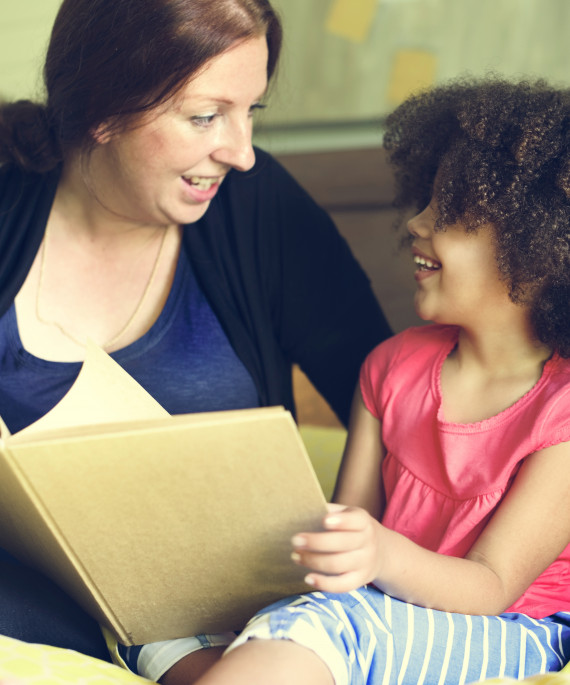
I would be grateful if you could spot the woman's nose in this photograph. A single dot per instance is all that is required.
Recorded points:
(237, 150)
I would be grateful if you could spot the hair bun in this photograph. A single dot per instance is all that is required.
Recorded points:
(26, 137)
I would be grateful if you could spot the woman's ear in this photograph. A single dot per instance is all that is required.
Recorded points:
(103, 133)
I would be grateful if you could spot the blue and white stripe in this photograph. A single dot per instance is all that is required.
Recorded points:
(368, 638)
(154, 659)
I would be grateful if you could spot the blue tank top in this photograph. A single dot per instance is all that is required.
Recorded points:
(184, 361)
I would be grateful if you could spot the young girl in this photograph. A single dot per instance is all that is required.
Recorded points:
(448, 557)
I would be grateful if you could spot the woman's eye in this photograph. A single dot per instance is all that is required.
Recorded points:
(256, 107)
(203, 120)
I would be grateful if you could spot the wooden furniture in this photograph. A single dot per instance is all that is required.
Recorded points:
(356, 188)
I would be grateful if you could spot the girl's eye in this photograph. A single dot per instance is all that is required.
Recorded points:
(204, 120)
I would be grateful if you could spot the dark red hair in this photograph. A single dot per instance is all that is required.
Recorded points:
(109, 60)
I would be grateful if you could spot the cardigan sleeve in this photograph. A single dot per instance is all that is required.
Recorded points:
(25, 204)
(285, 286)
(281, 279)
(324, 311)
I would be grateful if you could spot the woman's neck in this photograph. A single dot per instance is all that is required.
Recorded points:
(78, 209)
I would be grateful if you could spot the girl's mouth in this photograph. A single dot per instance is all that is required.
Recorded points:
(426, 263)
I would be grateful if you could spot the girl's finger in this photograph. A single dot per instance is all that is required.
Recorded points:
(325, 543)
(335, 584)
(350, 518)
(354, 520)
(330, 564)
(333, 507)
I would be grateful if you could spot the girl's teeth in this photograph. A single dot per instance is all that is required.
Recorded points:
(426, 263)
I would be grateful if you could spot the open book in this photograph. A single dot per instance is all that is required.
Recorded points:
(159, 526)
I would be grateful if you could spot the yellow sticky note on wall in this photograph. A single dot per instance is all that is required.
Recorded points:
(412, 70)
(352, 19)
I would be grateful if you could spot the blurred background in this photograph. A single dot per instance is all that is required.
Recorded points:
(345, 65)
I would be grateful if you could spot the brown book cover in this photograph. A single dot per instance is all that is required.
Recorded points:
(159, 526)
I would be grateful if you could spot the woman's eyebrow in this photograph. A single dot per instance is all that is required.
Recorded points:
(222, 100)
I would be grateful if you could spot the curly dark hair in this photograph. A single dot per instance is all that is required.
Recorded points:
(501, 152)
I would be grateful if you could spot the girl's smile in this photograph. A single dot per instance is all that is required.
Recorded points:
(425, 266)
(457, 276)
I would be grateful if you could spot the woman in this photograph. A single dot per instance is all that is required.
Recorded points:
(134, 211)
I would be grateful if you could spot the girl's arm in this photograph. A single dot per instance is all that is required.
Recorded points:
(526, 534)
(359, 488)
(359, 481)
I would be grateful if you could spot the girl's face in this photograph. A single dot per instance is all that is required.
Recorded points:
(457, 276)
(168, 169)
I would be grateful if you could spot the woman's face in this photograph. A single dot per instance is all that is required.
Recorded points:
(168, 169)
(458, 280)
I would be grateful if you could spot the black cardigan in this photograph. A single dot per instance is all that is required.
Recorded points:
(275, 270)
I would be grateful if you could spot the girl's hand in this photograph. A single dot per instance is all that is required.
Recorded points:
(346, 555)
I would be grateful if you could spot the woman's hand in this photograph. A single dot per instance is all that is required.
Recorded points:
(346, 555)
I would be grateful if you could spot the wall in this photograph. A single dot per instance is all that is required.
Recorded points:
(339, 77)
(24, 32)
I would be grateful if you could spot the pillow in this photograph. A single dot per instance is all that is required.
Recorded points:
(325, 445)
(43, 665)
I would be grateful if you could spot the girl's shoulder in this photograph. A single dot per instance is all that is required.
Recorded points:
(418, 342)
(553, 402)
(409, 357)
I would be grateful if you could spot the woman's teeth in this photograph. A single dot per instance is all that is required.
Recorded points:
(200, 182)
(426, 264)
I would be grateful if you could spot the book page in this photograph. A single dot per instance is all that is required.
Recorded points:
(102, 393)
(4, 432)
(116, 428)
(230, 493)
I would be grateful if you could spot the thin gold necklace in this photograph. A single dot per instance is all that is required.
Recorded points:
(133, 316)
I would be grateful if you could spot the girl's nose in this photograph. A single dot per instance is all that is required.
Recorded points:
(421, 224)
(413, 226)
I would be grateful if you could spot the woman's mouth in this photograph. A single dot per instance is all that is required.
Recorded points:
(201, 182)
(201, 188)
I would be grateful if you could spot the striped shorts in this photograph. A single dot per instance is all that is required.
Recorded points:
(368, 637)
(154, 659)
